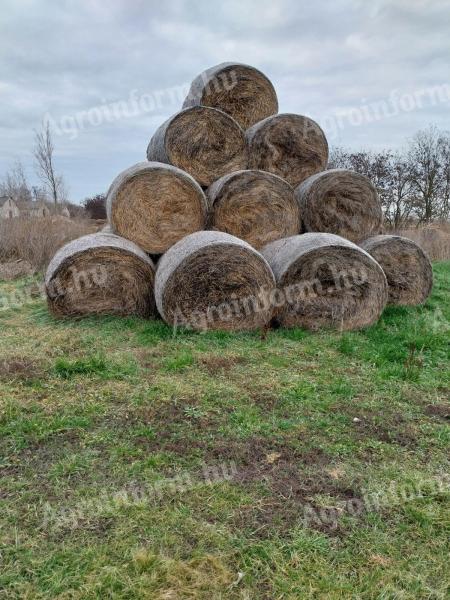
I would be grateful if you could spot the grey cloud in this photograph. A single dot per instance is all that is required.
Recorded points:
(64, 59)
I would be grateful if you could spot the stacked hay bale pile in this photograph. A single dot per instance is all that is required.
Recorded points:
(245, 224)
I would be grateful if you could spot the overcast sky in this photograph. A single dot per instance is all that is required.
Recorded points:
(371, 72)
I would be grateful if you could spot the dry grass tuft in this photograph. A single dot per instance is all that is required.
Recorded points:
(37, 240)
(433, 239)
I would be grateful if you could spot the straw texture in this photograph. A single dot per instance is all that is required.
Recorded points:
(291, 146)
(341, 202)
(256, 206)
(406, 266)
(154, 205)
(326, 281)
(241, 91)
(213, 280)
(100, 273)
(205, 142)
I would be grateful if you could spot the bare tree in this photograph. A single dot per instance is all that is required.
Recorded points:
(339, 158)
(45, 168)
(445, 205)
(429, 164)
(15, 184)
(397, 200)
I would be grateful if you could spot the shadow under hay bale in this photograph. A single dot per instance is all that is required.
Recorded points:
(406, 266)
(213, 280)
(325, 281)
(100, 274)
(291, 146)
(154, 205)
(239, 90)
(341, 202)
(253, 205)
(205, 142)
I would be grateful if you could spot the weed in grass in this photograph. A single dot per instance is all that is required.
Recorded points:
(95, 364)
(179, 362)
(295, 334)
(152, 332)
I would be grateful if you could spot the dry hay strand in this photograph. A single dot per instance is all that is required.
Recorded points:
(253, 205)
(154, 205)
(291, 146)
(406, 266)
(213, 280)
(239, 90)
(205, 142)
(325, 281)
(341, 202)
(102, 274)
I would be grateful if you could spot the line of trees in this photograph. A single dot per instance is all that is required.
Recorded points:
(414, 184)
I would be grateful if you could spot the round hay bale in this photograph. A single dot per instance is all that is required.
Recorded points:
(325, 281)
(406, 266)
(205, 142)
(154, 205)
(100, 273)
(213, 280)
(291, 146)
(253, 205)
(241, 91)
(341, 202)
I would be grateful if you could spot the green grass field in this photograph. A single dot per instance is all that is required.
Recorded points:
(138, 464)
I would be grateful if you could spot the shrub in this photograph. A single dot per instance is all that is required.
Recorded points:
(96, 206)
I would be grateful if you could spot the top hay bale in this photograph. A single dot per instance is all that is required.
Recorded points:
(239, 90)
(213, 280)
(154, 205)
(406, 266)
(205, 142)
(341, 202)
(291, 146)
(100, 273)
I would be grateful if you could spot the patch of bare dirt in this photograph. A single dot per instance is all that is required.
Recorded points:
(149, 358)
(19, 369)
(385, 427)
(441, 411)
(220, 364)
(264, 398)
(292, 478)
